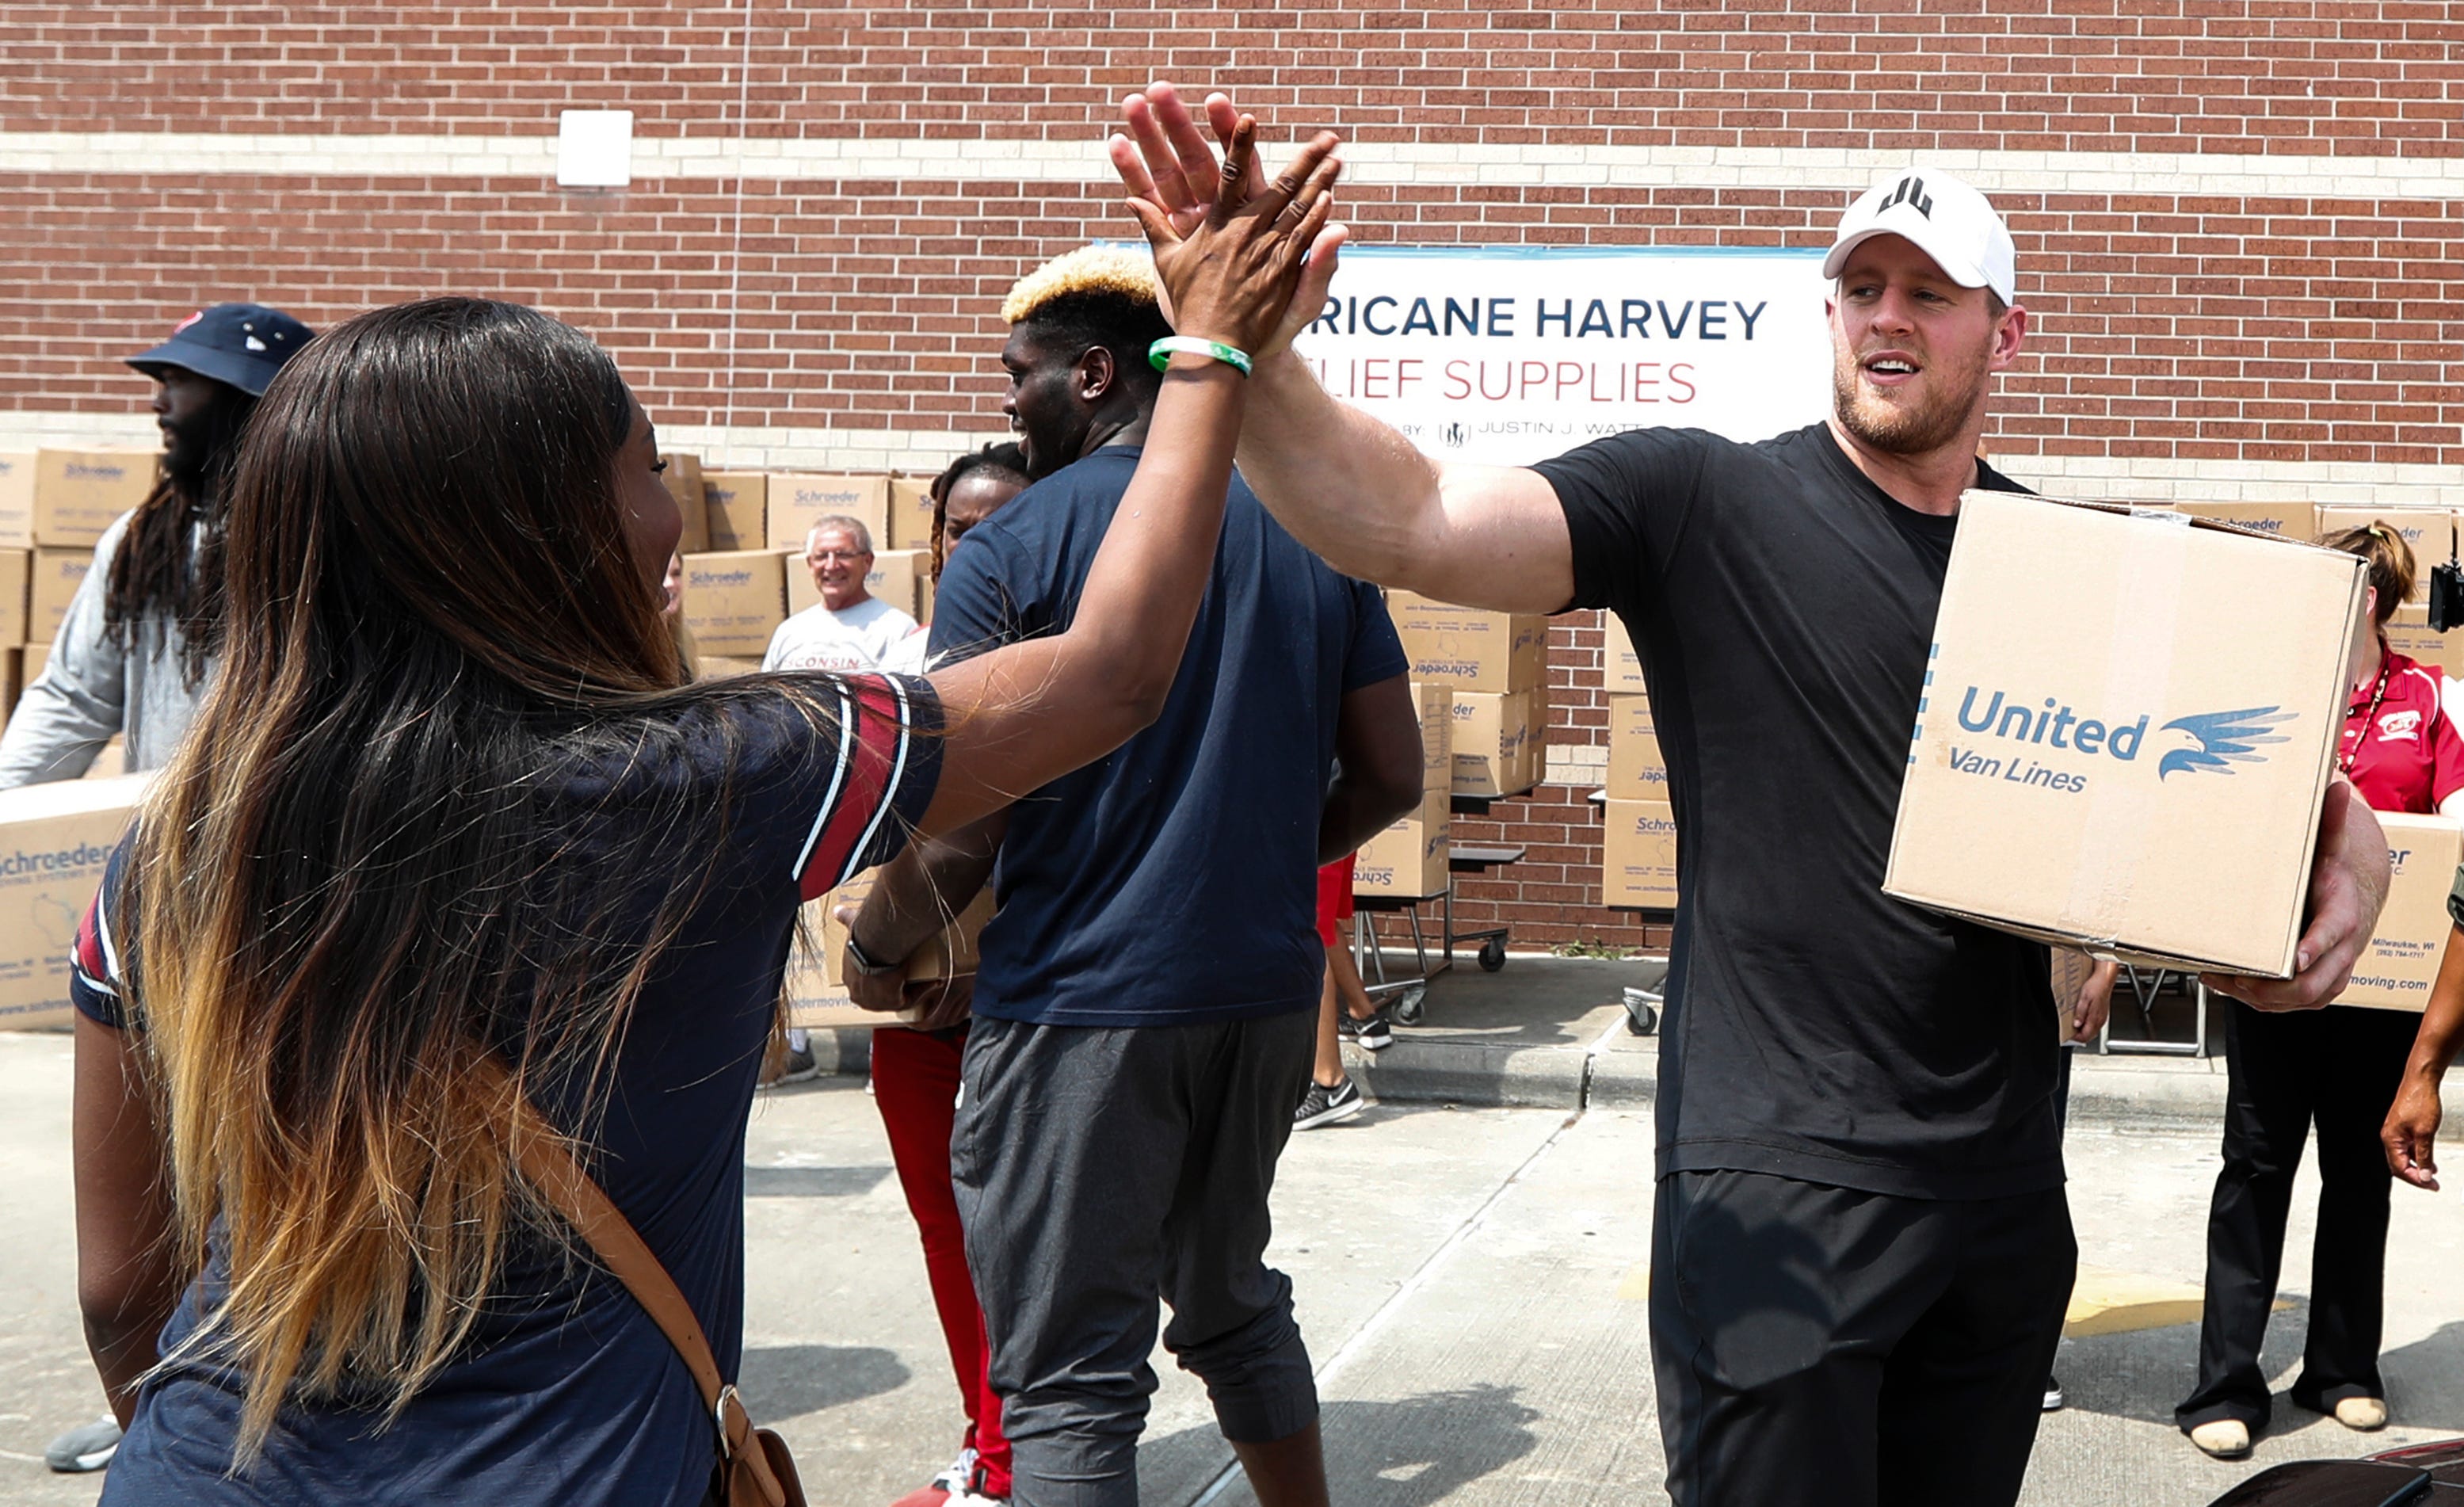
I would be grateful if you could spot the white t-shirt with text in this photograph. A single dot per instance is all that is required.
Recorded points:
(862, 637)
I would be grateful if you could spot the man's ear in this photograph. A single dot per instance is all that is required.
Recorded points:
(1097, 374)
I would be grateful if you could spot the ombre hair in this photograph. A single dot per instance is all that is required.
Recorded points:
(360, 931)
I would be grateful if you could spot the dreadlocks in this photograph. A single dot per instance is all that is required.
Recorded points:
(170, 561)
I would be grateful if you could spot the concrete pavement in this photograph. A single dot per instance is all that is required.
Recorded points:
(1471, 1283)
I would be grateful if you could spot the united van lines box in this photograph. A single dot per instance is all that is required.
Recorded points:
(897, 577)
(1409, 858)
(1638, 854)
(79, 493)
(1501, 741)
(2410, 633)
(1469, 649)
(911, 512)
(2404, 955)
(16, 570)
(2113, 745)
(1620, 667)
(735, 600)
(16, 500)
(2298, 522)
(54, 839)
(684, 479)
(816, 991)
(736, 510)
(799, 501)
(2424, 531)
(57, 574)
(1637, 772)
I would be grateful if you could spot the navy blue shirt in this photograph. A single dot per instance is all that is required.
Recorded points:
(1175, 881)
(569, 1394)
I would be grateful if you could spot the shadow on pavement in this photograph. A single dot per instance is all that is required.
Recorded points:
(811, 1182)
(2143, 1374)
(780, 1382)
(1403, 1453)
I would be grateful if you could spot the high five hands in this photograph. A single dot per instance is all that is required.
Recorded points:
(1228, 244)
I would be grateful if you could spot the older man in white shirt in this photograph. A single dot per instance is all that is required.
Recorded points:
(850, 628)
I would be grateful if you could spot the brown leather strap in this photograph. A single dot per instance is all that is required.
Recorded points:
(550, 1168)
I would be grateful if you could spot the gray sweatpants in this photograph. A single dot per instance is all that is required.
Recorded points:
(1097, 1168)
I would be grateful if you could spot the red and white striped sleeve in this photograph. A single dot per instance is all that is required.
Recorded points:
(888, 761)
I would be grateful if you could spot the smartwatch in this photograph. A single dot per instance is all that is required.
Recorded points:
(864, 963)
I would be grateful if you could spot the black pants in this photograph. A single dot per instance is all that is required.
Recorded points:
(2340, 1068)
(1815, 1344)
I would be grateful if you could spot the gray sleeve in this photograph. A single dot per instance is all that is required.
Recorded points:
(81, 701)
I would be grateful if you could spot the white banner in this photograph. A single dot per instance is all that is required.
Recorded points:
(1511, 354)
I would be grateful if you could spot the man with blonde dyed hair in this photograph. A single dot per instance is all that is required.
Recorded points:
(1146, 1004)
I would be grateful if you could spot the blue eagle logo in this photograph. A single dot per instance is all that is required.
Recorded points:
(2225, 739)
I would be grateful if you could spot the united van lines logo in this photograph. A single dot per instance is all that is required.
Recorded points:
(2399, 726)
(2216, 741)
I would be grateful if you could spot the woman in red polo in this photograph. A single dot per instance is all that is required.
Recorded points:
(2338, 1068)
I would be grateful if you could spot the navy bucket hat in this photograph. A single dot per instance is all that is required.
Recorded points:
(243, 345)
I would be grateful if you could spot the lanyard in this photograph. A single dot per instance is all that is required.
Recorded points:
(2378, 694)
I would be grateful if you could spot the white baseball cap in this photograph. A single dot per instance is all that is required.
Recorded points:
(1947, 219)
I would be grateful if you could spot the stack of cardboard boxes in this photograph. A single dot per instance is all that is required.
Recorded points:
(1494, 667)
(54, 505)
(1638, 826)
(744, 544)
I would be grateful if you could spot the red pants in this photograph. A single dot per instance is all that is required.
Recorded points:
(916, 1082)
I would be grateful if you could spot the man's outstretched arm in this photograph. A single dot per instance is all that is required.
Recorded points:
(1347, 486)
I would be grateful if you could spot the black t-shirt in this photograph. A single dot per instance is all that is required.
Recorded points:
(1817, 1028)
(569, 1393)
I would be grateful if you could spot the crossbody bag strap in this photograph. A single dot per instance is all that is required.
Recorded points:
(548, 1165)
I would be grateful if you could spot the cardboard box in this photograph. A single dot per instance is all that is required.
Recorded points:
(686, 485)
(1638, 854)
(2410, 633)
(30, 663)
(1620, 666)
(2424, 530)
(2403, 954)
(2298, 522)
(13, 682)
(1471, 650)
(1637, 771)
(2112, 749)
(719, 667)
(735, 600)
(817, 992)
(53, 841)
(56, 576)
(798, 501)
(911, 512)
(1409, 858)
(1501, 741)
(899, 577)
(16, 500)
(79, 493)
(16, 572)
(736, 510)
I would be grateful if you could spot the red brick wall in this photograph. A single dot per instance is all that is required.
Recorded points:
(2169, 324)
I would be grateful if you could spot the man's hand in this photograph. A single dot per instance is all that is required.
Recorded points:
(2348, 884)
(886, 992)
(1172, 169)
(2095, 1003)
(2410, 1134)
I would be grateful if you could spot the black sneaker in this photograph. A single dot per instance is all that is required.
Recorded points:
(1374, 1034)
(1324, 1106)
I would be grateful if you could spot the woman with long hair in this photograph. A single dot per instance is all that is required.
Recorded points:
(455, 843)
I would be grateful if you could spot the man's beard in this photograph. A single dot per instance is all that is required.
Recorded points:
(1897, 431)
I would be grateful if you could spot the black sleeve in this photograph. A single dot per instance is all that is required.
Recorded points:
(1627, 499)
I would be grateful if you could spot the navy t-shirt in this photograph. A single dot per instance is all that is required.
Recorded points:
(1173, 880)
(570, 1394)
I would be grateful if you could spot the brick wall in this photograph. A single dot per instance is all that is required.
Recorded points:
(2239, 221)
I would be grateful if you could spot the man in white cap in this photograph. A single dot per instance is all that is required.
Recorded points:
(1861, 1252)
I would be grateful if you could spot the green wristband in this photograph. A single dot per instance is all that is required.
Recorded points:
(1159, 354)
